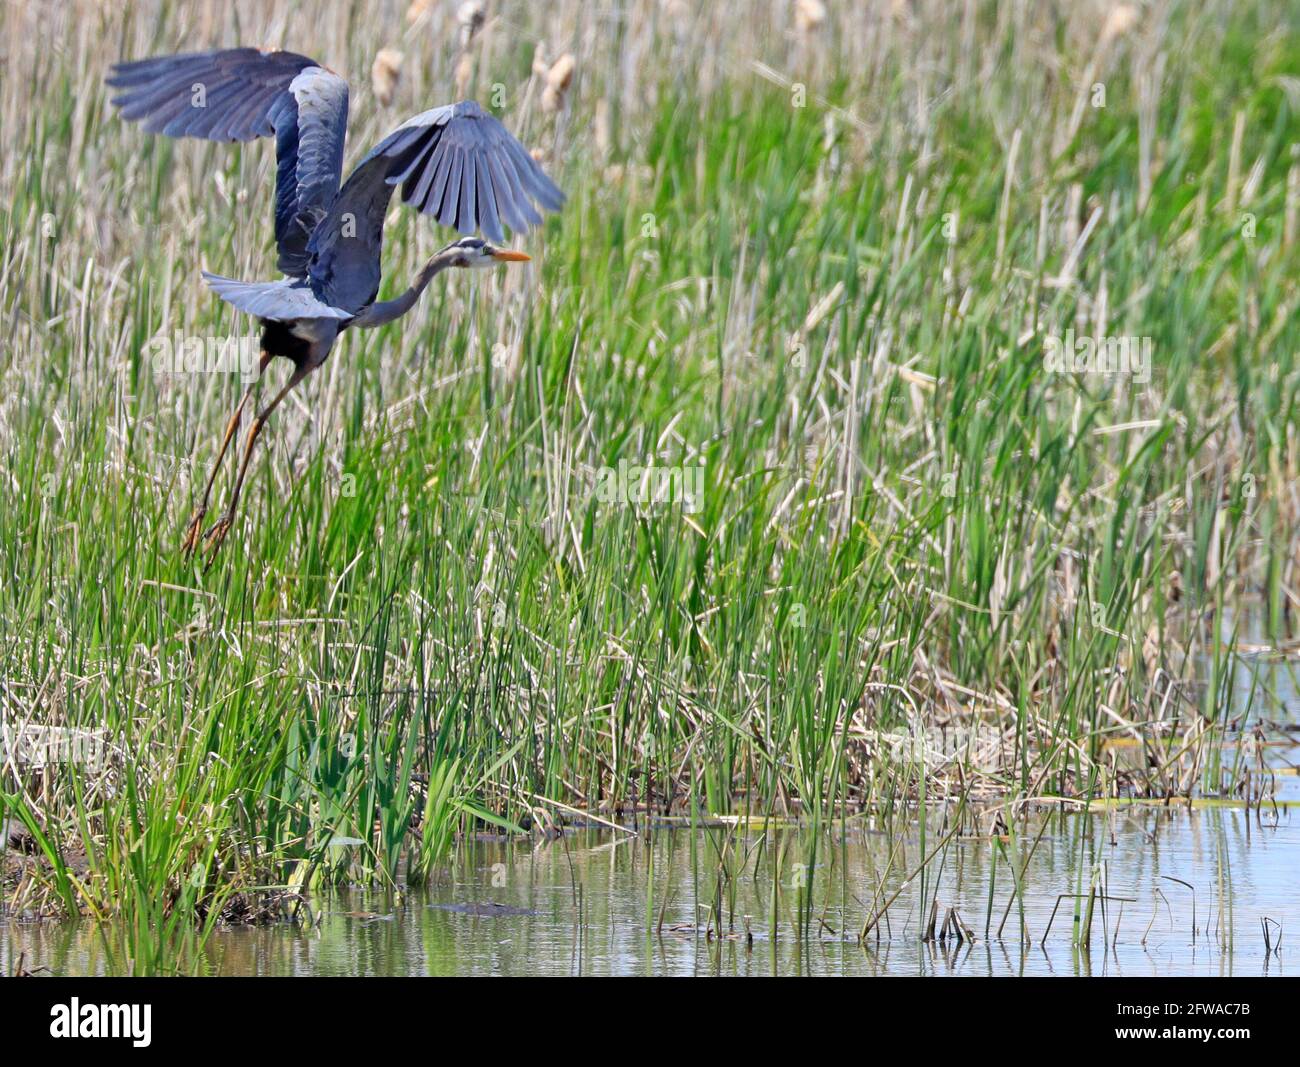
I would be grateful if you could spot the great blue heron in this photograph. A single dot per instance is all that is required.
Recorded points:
(456, 163)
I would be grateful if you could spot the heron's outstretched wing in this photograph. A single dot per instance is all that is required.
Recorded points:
(284, 301)
(240, 93)
(456, 163)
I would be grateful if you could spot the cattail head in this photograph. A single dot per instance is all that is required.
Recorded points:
(808, 15)
(1122, 18)
(540, 67)
(418, 9)
(560, 75)
(385, 73)
(471, 16)
(558, 80)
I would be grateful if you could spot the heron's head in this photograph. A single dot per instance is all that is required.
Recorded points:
(473, 252)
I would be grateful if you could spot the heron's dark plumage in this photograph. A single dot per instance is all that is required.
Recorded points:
(278, 339)
(238, 94)
(456, 163)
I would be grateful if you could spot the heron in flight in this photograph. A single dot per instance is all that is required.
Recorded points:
(456, 163)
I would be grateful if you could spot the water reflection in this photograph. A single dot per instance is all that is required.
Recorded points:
(729, 902)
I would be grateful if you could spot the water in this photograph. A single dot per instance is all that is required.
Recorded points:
(578, 906)
(602, 902)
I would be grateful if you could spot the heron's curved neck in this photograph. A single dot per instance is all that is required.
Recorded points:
(384, 311)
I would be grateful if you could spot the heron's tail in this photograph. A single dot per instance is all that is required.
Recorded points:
(287, 300)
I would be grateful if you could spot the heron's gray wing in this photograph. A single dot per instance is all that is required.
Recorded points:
(456, 163)
(237, 94)
(284, 301)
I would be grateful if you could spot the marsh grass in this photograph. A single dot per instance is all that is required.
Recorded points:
(923, 567)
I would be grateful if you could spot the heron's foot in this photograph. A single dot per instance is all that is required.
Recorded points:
(216, 535)
(190, 542)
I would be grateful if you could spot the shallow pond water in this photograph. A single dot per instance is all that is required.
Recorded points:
(584, 905)
(1190, 889)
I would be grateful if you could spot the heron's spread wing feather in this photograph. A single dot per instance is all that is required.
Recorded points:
(238, 94)
(283, 301)
(456, 163)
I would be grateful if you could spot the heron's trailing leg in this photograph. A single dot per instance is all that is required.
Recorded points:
(192, 530)
(213, 538)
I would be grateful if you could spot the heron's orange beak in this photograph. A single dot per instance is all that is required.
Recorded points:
(509, 256)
